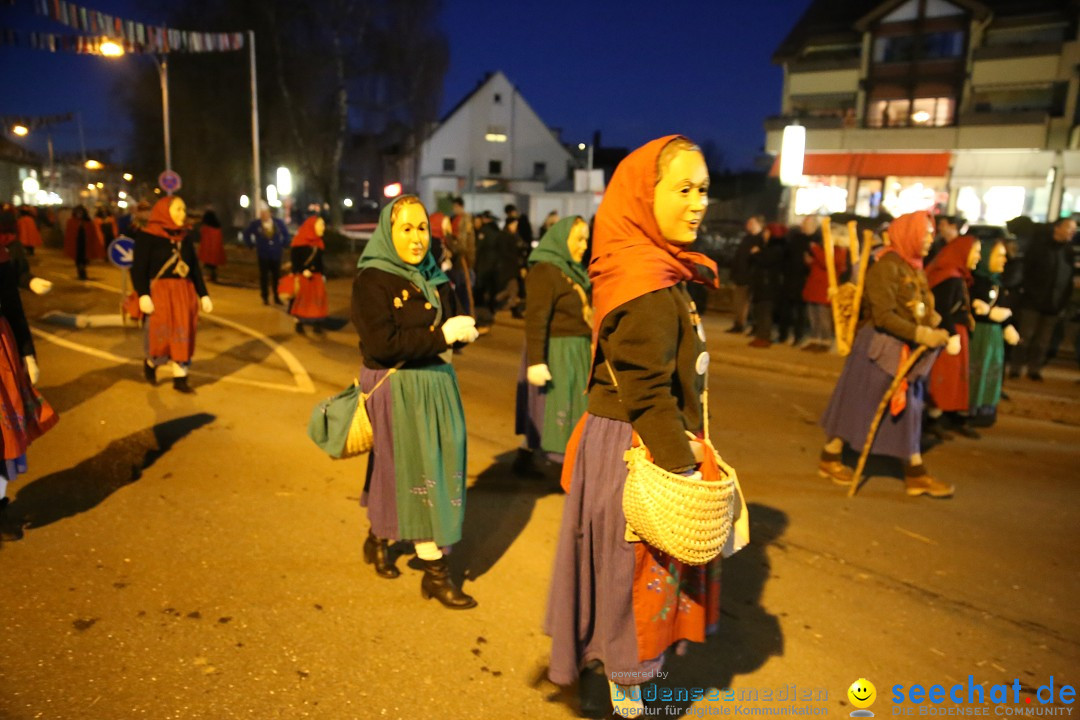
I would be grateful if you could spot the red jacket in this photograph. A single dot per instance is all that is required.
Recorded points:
(816, 289)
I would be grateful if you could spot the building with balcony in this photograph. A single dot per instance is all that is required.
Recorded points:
(967, 105)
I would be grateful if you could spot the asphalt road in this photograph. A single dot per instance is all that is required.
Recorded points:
(172, 556)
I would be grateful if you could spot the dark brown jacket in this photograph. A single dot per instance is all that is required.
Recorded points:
(654, 348)
(554, 309)
(892, 296)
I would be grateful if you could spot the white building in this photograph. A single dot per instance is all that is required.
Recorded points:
(493, 149)
(971, 105)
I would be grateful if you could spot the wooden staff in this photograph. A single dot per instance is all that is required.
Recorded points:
(901, 374)
(853, 233)
(860, 284)
(834, 295)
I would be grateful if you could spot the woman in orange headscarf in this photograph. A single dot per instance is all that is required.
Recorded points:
(614, 602)
(309, 304)
(165, 273)
(900, 317)
(82, 242)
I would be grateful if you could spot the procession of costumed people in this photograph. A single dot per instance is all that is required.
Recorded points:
(900, 316)
(309, 304)
(408, 320)
(616, 604)
(993, 329)
(558, 330)
(166, 276)
(24, 413)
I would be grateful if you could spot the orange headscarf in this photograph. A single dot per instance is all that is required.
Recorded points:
(951, 262)
(306, 235)
(161, 222)
(906, 235)
(630, 256)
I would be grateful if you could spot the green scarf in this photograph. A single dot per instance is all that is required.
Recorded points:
(380, 253)
(553, 249)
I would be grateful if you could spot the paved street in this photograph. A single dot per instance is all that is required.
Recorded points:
(198, 557)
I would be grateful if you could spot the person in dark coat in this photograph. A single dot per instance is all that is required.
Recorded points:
(766, 276)
(269, 236)
(741, 273)
(166, 275)
(408, 321)
(490, 269)
(791, 315)
(1046, 288)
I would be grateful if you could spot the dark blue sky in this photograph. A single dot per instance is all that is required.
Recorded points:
(634, 69)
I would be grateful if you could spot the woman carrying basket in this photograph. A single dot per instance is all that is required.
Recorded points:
(405, 311)
(558, 325)
(616, 601)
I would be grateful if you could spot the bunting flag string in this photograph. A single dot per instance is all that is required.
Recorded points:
(134, 37)
(34, 122)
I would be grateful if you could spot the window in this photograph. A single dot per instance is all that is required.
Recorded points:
(449, 165)
(942, 45)
(496, 134)
(920, 112)
(539, 169)
(498, 99)
(494, 167)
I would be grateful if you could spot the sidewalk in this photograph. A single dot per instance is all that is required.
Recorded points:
(1056, 399)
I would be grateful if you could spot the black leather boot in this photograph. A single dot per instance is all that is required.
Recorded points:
(149, 372)
(594, 696)
(180, 384)
(438, 584)
(377, 553)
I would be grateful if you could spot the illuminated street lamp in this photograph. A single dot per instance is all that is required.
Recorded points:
(93, 165)
(245, 201)
(128, 177)
(100, 185)
(111, 49)
(392, 190)
(30, 186)
(20, 129)
(284, 181)
(347, 202)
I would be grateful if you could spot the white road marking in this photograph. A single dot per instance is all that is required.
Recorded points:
(300, 375)
(120, 360)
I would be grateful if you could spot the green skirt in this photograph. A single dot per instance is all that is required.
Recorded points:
(429, 454)
(565, 398)
(987, 364)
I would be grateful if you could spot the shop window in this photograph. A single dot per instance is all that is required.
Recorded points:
(820, 199)
(449, 165)
(494, 167)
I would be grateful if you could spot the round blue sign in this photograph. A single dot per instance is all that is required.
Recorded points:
(122, 252)
(169, 181)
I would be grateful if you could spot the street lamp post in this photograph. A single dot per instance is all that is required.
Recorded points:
(254, 128)
(162, 62)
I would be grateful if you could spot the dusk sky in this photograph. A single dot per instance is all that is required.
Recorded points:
(635, 70)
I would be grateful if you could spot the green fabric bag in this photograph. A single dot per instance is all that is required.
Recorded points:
(331, 419)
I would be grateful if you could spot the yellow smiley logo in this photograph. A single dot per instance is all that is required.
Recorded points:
(862, 693)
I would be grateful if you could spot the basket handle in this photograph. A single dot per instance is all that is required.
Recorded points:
(366, 395)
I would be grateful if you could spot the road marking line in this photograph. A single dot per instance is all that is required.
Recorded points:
(300, 375)
(119, 360)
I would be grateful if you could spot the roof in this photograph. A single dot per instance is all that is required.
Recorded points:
(827, 21)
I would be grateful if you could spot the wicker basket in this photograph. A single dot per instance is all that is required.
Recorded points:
(687, 518)
(361, 437)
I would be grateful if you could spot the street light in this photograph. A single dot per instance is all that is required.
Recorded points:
(20, 130)
(30, 186)
(93, 165)
(111, 49)
(245, 201)
(347, 202)
(128, 177)
(284, 181)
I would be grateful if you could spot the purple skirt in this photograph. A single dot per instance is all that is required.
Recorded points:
(530, 408)
(867, 374)
(380, 487)
(590, 614)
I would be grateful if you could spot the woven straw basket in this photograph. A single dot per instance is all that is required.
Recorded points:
(361, 438)
(687, 518)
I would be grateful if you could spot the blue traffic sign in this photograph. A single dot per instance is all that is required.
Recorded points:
(122, 252)
(169, 181)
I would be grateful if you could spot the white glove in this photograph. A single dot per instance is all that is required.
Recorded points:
(981, 307)
(460, 328)
(40, 286)
(207, 304)
(953, 346)
(538, 375)
(447, 265)
(307, 273)
(32, 369)
(1000, 314)
(146, 305)
(1011, 335)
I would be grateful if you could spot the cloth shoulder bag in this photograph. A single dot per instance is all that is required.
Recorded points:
(340, 424)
